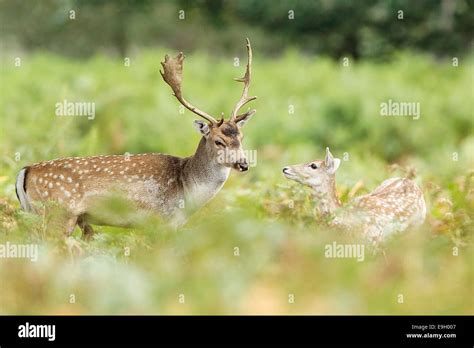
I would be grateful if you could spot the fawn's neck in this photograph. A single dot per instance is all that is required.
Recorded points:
(203, 175)
(327, 202)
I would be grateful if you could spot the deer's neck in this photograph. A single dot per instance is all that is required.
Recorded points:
(327, 202)
(203, 176)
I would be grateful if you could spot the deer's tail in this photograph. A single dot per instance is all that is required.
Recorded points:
(20, 188)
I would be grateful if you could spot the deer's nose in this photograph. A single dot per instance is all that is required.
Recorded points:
(243, 166)
(286, 169)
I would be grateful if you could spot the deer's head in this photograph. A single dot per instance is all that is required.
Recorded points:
(224, 137)
(318, 174)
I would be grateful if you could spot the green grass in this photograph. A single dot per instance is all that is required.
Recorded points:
(270, 220)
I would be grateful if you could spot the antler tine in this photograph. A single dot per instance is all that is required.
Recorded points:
(173, 75)
(244, 99)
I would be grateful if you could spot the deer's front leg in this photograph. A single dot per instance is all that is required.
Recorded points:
(72, 245)
(70, 225)
(177, 219)
(87, 231)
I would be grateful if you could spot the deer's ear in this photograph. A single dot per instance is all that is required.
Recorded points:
(202, 128)
(242, 119)
(332, 164)
(335, 165)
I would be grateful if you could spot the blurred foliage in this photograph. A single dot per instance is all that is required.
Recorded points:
(270, 220)
(257, 242)
(337, 28)
(319, 103)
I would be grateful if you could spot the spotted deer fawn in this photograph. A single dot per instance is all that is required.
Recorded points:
(394, 206)
(153, 182)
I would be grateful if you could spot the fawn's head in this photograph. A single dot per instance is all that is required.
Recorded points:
(318, 174)
(223, 137)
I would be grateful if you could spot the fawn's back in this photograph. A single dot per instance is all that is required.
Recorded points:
(393, 206)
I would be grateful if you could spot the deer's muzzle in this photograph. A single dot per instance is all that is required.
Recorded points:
(243, 166)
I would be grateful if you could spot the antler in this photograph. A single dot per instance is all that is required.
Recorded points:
(173, 76)
(244, 99)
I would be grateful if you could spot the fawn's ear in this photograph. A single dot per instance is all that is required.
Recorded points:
(332, 164)
(202, 128)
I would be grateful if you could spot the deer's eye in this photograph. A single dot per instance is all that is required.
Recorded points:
(219, 143)
(314, 166)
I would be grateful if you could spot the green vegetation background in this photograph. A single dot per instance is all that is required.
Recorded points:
(281, 249)
(256, 245)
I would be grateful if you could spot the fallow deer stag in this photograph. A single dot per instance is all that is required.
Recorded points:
(154, 182)
(394, 206)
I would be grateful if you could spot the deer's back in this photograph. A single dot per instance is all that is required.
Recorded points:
(393, 206)
(152, 181)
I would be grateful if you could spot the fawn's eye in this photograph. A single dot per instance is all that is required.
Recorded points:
(219, 143)
(314, 166)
